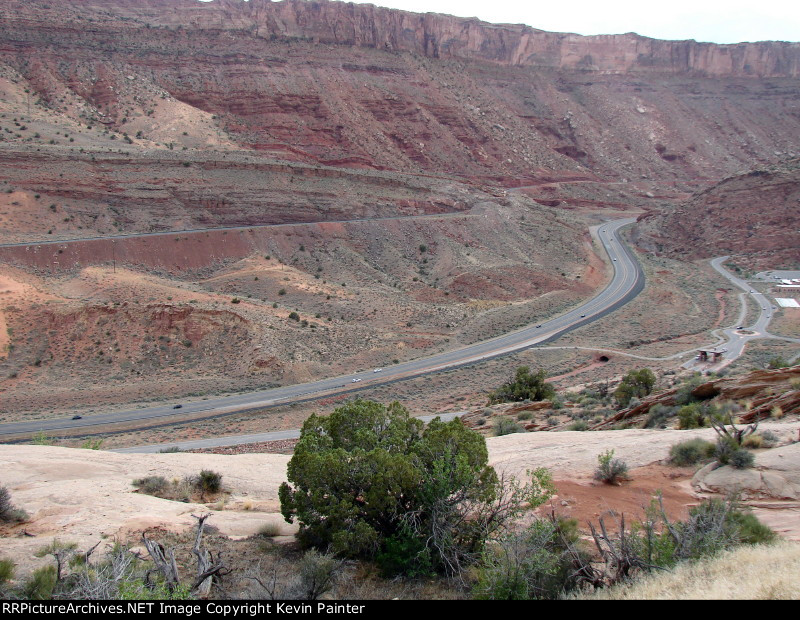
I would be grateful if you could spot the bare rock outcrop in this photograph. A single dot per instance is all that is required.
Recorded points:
(776, 476)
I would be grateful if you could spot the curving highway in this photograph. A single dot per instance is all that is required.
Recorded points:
(626, 283)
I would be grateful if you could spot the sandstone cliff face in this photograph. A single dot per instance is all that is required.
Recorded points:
(357, 86)
(443, 36)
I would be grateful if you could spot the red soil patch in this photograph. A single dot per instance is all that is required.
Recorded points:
(720, 295)
(588, 500)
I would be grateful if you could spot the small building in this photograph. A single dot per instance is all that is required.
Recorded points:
(712, 355)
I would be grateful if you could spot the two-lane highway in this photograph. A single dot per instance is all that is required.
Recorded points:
(626, 283)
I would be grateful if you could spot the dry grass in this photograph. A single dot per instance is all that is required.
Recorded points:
(754, 573)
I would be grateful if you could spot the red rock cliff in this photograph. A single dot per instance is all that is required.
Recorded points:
(441, 36)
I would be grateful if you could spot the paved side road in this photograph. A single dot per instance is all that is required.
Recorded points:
(736, 339)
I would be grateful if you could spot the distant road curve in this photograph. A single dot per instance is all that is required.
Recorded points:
(626, 283)
(735, 339)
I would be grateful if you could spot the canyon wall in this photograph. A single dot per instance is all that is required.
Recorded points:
(444, 36)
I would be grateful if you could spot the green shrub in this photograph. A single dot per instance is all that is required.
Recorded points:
(751, 530)
(506, 426)
(92, 444)
(610, 470)
(8, 512)
(692, 416)
(209, 482)
(535, 563)
(404, 553)
(525, 386)
(363, 477)
(40, 585)
(691, 452)
(580, 425)
(742, 459)
(6, 572)
(636, 384)
(728, 452)
(658, 415)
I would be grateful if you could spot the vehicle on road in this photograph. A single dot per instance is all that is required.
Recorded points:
(77, 417)
(378, 370)
(177, 406)
(356, 380)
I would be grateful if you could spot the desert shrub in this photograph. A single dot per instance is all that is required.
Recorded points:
(712, 526)
(708, 529)
(317, 574)
(609, 469)
(209, 482)
(507, 426)
(728, 452)
(769, 439)
(742, 459)
(777, 361)
(368, 474)
(6, 574)
(658, 415)
(691, 452)
(724, 450)
(750, 530)
(524, 415)
(579, 425)
(692, 416)
(8, 512)
(152, 485)
(753, 442)
(525, 386)
(536, 563)
(170, 450)
(636, 384)
(39, 586)
(41, 439)
(404, 553)
(683, 396)
(270, 530)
